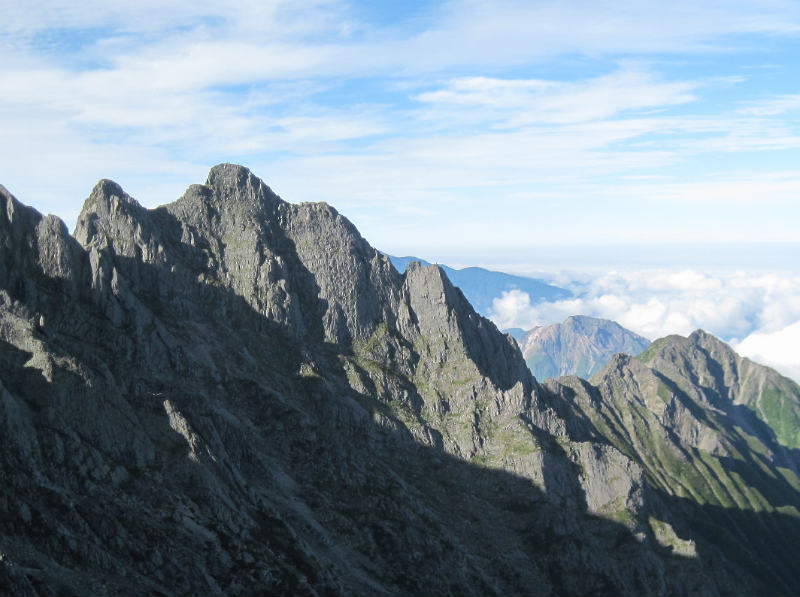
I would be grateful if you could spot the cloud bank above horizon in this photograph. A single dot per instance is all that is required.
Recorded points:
(430, 124)
(757, 313)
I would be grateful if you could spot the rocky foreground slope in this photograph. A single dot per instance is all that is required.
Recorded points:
(232, 394)
(579, 346)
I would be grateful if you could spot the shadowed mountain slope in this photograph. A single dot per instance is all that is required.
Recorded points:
(714, 434)
(232, 394)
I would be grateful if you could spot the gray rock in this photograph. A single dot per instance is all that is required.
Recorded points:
(234, 394)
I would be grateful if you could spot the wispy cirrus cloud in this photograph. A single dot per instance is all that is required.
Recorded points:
(512, 104)
(774, 106)
(534, 101)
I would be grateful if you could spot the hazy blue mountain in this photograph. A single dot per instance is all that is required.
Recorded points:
(516, 333)
(580, 346)
(481, 286)
(401, 263)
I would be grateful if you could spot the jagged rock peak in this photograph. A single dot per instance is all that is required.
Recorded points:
(700, 334)
(236, 184)
(229, 175)
(432, 273)
(708, 341)
(698, 337)
(671, 346)
(619, 364)
(108, 188)
(10, 206)
(620, 360)
(107, 208)
(107, 196)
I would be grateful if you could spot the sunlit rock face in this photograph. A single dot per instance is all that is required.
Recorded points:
(580, 346)
(232, 394)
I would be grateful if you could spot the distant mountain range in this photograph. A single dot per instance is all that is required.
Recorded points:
(481, 286)
(580, 346)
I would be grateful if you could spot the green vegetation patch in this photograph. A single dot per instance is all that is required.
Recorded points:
(666, 537)
(791, 477)
(753, 443)
(664, 392)
(622, 516)
(781, 410)
(654, 348)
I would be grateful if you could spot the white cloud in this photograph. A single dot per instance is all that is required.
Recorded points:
(758, 188)
(478, 32)
(513, 310)
(774, 106)
(119, 17)
(761, 308)
(778, 349)
(529, 101)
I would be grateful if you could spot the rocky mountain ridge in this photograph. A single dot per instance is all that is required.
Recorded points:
(234, 394)
(707, 428)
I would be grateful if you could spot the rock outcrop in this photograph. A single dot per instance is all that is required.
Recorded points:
(232, 394)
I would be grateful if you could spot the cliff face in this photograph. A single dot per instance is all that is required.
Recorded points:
(235, 394)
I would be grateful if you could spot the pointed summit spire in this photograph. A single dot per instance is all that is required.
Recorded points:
(227, 175)
(236, 185)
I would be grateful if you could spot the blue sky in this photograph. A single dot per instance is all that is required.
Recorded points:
(644, 154)
(438, 128)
